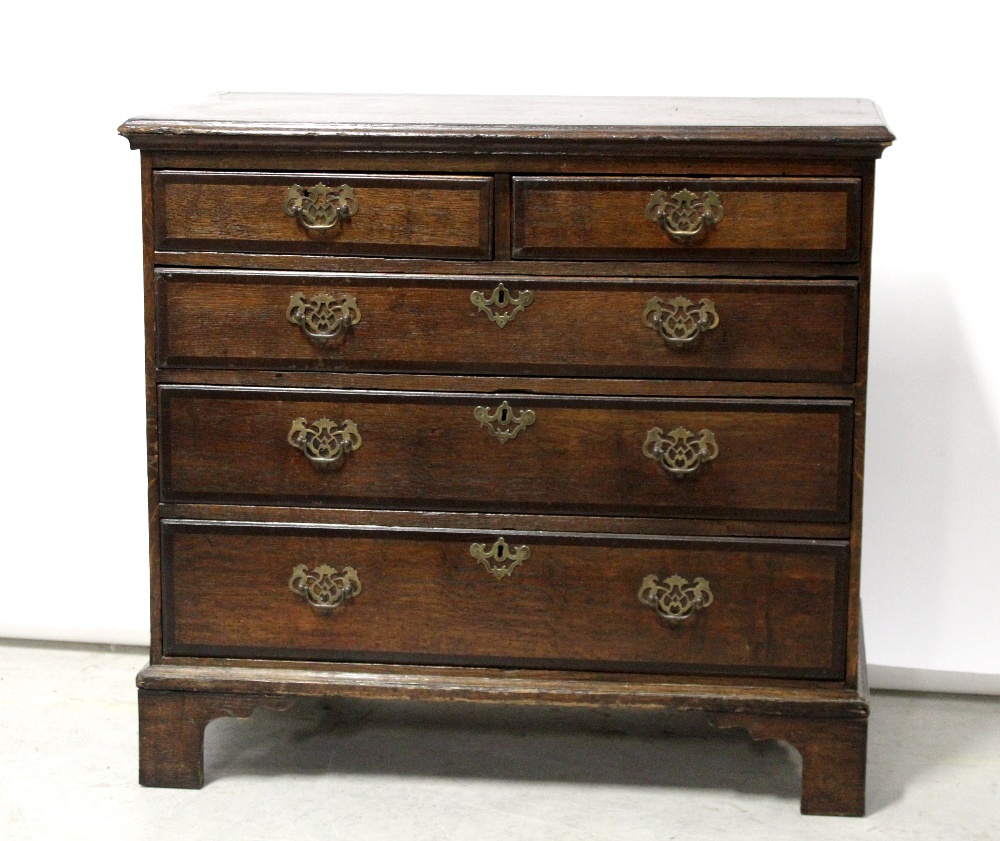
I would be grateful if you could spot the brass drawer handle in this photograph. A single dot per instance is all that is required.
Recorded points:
(679, 321)
(675, 598)
(319, 208)
(685, 216)
(324, 316)
(324, 442)
(504, 422)
(499, 300)
(325, 587)
(500, 560)
(680, 452)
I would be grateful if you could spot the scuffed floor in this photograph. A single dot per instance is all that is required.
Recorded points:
(360, 770)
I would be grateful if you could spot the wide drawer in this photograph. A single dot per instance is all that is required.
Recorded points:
(687, 218)
(759, 607)
(740, 330)
(770, 460)
(378, 216)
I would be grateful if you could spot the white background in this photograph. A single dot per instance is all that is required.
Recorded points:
(73, 562)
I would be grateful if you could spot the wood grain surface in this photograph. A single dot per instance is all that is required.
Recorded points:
(778, 607)
(605, 219)
(231, 121)
(792, 331)
(778, 460)
(398, 215)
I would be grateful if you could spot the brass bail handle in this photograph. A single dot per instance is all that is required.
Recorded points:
(674, 598)
(680, 321)
(680, 452)
(324, 317)
(319, 208)
(324, 442)
(685, 216)
(325, 587)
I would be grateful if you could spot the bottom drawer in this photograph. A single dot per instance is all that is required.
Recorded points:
(609, 603)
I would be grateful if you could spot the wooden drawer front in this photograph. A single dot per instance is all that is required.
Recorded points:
(397, 215)
(777, 460)
(762, 219)
(795, 330)
(776, 608)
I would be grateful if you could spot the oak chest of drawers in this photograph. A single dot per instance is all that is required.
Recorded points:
(514, 400)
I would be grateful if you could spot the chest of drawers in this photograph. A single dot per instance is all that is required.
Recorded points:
(525, 400)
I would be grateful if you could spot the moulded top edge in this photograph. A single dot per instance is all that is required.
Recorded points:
(538, 118)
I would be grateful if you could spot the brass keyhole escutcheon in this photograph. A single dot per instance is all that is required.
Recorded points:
(501, 306)
(503, 422)
(500, 559)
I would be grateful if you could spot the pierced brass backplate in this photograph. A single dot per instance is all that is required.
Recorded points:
(675, 598)
(685, 216)
(319, 208)
(500, 559)
(325, 316)
(680, 321)
(501, 306)
(504, 423)
(324, 442)
(680, 452)
(325, 587)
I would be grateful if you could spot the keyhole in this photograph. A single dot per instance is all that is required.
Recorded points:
(501, 552)
(502, 297)
(505, 415)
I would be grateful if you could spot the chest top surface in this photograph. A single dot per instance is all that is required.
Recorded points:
(328, 118)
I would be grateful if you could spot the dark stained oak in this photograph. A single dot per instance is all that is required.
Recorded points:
(475, 384)
(492, 161)
(230, 121)
(778, 460)
(827, 726)
(834, 754)
(172, 732)
(778, 606)
(548, 195)
(767, 331)
(541, 268)
(398, 215)
(480, 521)
(710, 693)
(605, 219)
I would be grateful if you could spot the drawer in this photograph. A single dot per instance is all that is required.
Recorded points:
(378, 216)
(687, 219)
(770, 460)
(769, 608)
(736, 330)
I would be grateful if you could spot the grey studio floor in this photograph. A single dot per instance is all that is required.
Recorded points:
(385, 771)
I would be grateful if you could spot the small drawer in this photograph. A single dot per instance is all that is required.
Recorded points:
(740, 459)
(609, 603)
(708, 329)
(669, 218)
(332, 213)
